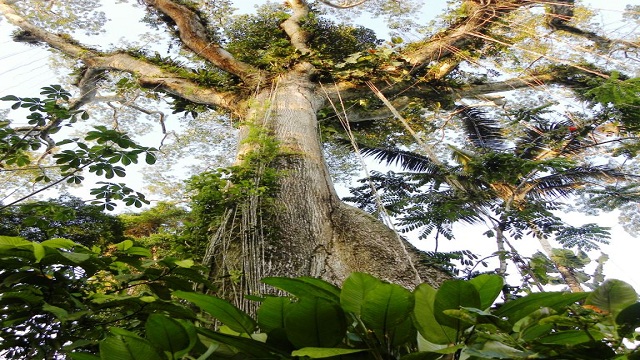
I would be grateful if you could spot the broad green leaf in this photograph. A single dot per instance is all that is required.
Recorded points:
(234, 318)
(305, 287)
(424, 317)
(628, 320)
(167, 334)
(124, 245)
(386, 307)
(612, 296)
(497, 350)
(489, 287)
(60, 243)
(452, 295)
(13, 241)
(127, 347)
(571, 337)
(517, 309)
(315, 322)
(59, 312)
(75, 257)
(138, 251)
(321, 353)
(187, 263)
(253, 348)
(38, 251)
(354, 289)
(271, 313)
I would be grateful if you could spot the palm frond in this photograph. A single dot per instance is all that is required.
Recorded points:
(407, 160)
(483, 132)
(564, 183)
(544, 139)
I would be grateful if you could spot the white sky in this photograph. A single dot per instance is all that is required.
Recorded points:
(25, 69)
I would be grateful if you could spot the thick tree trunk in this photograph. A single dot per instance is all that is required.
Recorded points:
(315, 233)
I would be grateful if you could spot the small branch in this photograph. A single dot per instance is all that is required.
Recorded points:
(348, 6)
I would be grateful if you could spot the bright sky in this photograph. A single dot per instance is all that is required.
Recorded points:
(24, 69)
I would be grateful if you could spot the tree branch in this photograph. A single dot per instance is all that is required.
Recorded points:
(506, 85)
(481, 15)
(147, 75)
(291, 26)
(194, 35)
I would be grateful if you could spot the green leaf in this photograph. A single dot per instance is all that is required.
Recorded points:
(489, 287)
(424, 317)
(253, 348)
(187, 263)
(386, 307)
(168, 335)
(138, 251)
(497, 350)
(321, 353)
(612, 296)
(305, 287)
(13, 241)
(59, 312)
(315, 322)
(452, 295)
(127, 347)
(354, 289)
(124, 245)
(517, 309)
(38, 251)
(271, 313)
(571, 337)
(59, 243)
(234, 318)
(628, 320)
(75, 257)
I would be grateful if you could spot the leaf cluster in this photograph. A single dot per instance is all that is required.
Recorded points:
(368, 318)
(66, 217)
(58, 296)
(100, 151)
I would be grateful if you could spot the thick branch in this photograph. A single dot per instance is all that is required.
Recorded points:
(480, 17)
(147, 74)
(194, 35)
(291, 26)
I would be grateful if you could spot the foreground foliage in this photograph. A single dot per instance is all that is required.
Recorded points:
(60, 298)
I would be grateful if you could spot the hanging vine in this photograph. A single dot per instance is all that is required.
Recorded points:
(231, 208)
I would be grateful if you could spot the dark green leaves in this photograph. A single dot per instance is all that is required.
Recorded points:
(220, 309)
(315, 322)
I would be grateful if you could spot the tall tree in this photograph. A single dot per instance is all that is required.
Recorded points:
(277, 71)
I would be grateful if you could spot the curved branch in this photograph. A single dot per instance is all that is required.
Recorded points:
(298, 36)
(147, 74)
(194, 35)
(481, 15)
